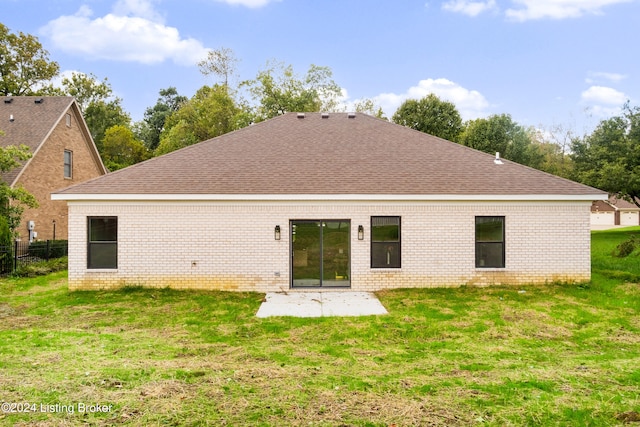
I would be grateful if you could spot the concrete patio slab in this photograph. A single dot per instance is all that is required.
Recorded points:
(320, 304)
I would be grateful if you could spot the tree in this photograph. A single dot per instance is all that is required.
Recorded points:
(100, 108)
(609, 158)
(85, 88)
(121, 148)
(499, 133)
(210, 113)
(221, 62)
(102, 115)
(367, 106)
(24, 64)
(6, 240)
(13, 200)
(430, 115)
(278, 90)
(151, 127)
(552, 145)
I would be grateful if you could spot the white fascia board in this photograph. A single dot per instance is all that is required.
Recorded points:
(325, 197)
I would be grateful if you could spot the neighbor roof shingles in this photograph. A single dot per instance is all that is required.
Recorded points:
(337, 155)
(31, 123)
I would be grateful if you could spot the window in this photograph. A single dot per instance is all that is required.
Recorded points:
(68, 164)
(103, 242)
(489, 242)
(385, 242)
(68, 120)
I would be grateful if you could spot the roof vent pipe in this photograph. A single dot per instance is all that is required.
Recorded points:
(497, 160)
(11, 118)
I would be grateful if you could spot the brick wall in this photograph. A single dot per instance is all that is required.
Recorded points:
(231, 245)
(45, 174)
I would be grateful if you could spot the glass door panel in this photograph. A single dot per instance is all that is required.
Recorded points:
(336, 268)
(306, 259)
(320, 253)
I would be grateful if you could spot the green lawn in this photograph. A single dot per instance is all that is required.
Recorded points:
(561, 354)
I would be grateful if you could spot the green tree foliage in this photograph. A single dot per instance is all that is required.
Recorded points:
(100, 108)
(14, 200)
(102, 115)
(609, 158)
(552, 147)
(278, 90)
(151, 127)
(367, 106)
(6, 244)
(499, 133)
(430, 115)
(86, 89)
(6, 241)
(221, 62)
(121, 148)
(210, 113)
(24, 64)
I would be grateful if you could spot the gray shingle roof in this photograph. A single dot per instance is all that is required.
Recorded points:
(338, 155)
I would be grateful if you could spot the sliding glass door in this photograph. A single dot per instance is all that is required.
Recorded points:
(320, 253)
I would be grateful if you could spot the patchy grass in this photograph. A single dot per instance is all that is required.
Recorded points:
(543, 355)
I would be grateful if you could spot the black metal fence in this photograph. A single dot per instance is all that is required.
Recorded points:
(24, 253)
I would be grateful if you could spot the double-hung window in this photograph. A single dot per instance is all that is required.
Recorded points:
(102, 251)
(68, 164)
(490, 242)
(385, 242)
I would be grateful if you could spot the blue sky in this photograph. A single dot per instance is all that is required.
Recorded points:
(548, 63)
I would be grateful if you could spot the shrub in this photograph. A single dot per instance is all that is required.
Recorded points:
(627, 247)
(42, 268)
(57, 249)
(6, 246)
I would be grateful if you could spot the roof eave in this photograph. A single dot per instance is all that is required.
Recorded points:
(328, 197)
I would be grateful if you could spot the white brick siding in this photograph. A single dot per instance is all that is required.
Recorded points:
(231, 245)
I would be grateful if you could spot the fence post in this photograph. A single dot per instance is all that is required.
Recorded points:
(15, 256)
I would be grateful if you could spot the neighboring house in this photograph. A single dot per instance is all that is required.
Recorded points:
(613, 212)
(63, 153)
(327, 201)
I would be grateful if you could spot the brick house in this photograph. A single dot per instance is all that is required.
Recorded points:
(327, 201)
(63, 153)
(614, 211)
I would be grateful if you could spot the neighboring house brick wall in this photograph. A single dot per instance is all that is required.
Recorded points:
(45, 173)
(231, 245)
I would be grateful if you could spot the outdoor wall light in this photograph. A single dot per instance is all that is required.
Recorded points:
(360, 232)
(277, 232)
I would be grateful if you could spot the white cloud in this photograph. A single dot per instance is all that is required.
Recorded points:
(253, 4)
(603, 101)
(604, 95)
(470, 8)
(470, 103)
(557, 9)
(133, 32)
(598, 76)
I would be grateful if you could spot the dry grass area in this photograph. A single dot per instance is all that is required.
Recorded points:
(546, 355)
